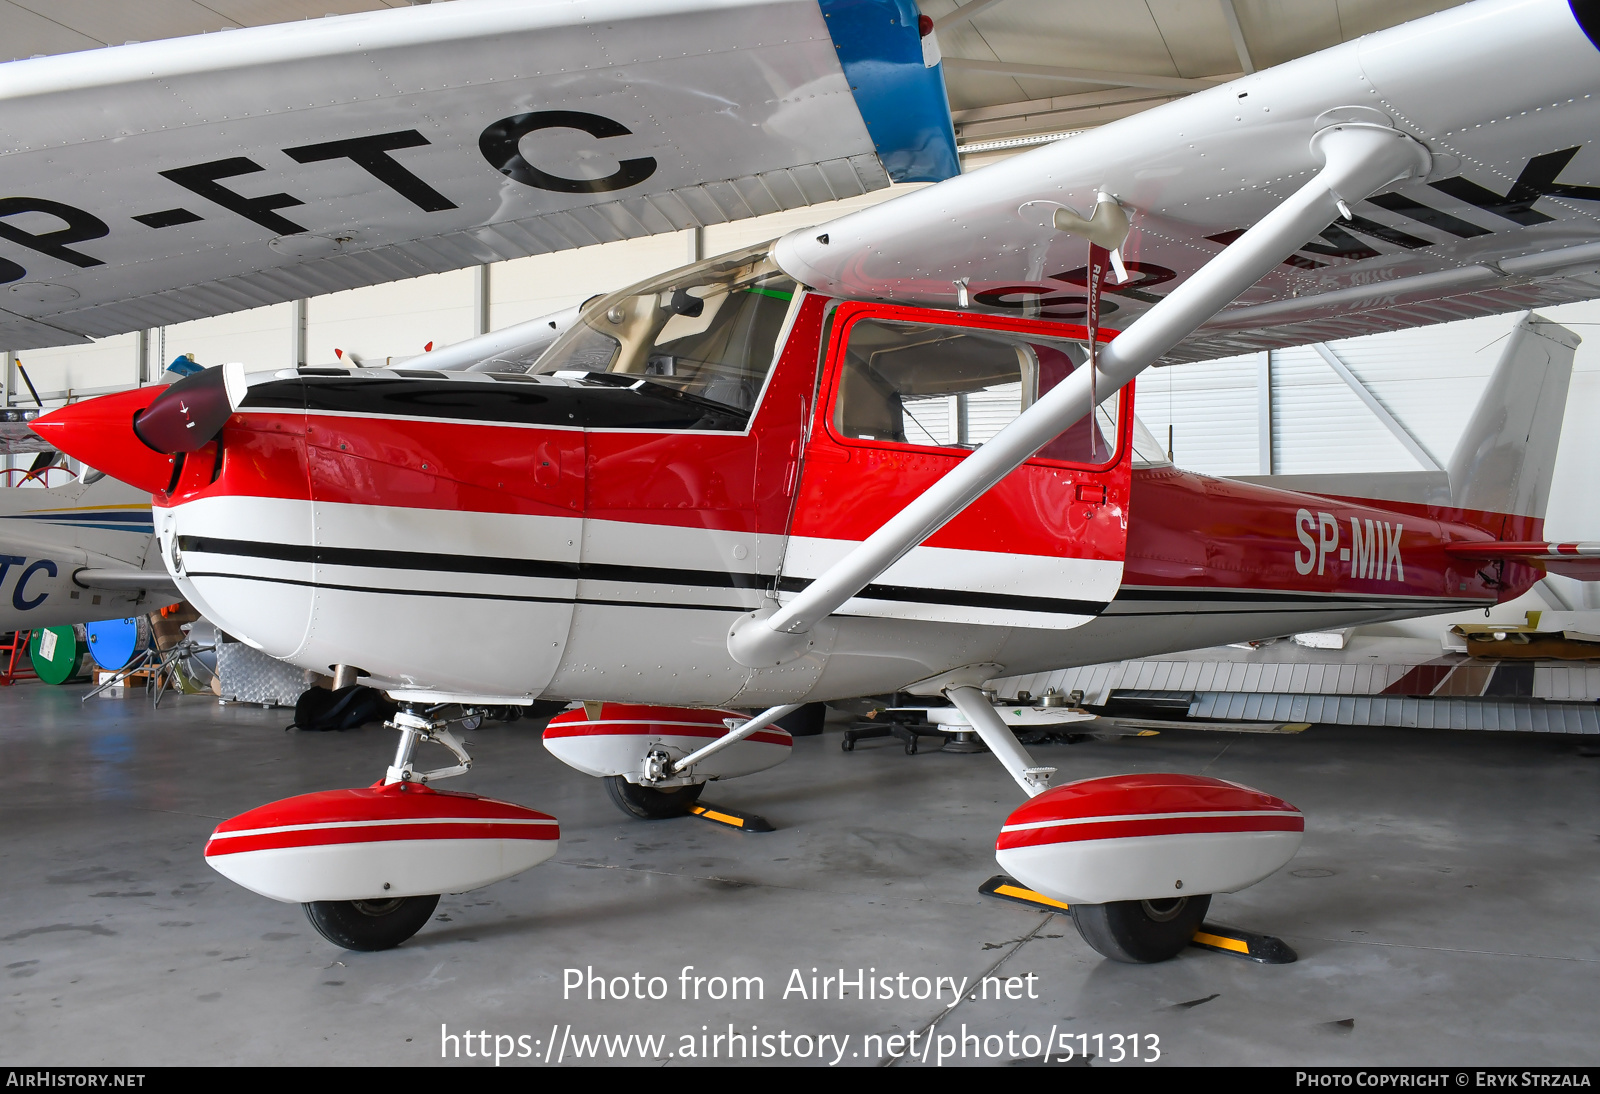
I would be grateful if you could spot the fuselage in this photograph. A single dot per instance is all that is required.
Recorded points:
(594, 533)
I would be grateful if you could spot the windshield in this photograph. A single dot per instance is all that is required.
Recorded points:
(709, 330)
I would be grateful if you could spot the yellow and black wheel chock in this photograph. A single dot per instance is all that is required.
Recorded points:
(731, 818)
(1262, 948)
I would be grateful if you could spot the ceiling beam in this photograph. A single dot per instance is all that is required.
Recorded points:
(1081, 75)
(963, 11)
(1231, 14)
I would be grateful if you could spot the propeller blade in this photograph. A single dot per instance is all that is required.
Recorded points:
(190, 413)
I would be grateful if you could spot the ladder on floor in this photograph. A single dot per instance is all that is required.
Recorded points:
(11, 654)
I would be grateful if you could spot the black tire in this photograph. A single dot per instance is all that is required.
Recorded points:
(648, 803)
(805, 722)
(370, 924)
(1141, 932)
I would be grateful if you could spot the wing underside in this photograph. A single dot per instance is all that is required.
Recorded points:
(160, 182)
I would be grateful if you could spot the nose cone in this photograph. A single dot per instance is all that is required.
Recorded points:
(100, 433)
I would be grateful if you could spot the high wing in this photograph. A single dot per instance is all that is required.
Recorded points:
(152, 183)
(1503, 94)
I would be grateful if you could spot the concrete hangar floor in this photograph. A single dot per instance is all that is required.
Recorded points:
(1442, 907)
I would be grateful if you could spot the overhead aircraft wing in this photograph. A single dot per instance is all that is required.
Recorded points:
(1503, 94)
(151, 183)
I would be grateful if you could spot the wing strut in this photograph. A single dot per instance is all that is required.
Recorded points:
(658, 767)
(1358, 160)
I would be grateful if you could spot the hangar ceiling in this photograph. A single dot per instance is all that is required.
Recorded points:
(1017, 70)
(1021, 68)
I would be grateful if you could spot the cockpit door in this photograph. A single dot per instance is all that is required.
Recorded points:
(907, 395)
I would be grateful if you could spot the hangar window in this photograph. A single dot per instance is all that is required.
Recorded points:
(956, 387)
(709, 331)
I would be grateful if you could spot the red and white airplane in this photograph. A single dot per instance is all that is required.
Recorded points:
(895, 452)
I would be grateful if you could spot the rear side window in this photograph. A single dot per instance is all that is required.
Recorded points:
(956, 387)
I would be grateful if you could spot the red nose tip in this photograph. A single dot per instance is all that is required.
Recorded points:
(100, 433)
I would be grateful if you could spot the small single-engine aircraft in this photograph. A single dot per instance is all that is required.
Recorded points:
(895, 452)
(78, 553)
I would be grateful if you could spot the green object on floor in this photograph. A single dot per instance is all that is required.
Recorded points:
(58, 654)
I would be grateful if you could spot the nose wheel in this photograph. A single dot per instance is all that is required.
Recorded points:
(370, 924)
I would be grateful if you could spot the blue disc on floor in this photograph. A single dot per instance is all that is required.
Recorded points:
(115, 642)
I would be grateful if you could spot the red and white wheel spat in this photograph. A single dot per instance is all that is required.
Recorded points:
(1147, 837)
(616, 742)
(379, 842)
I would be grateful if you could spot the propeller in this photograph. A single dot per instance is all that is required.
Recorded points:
(189, 414)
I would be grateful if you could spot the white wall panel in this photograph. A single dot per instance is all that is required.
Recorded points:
(1211, 406)
(393, 320)
(1429, 378)
(526, 288)
(1318, 422)
(107, 363)
(260, 337)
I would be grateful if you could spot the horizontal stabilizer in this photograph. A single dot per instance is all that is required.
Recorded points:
(1576, 560)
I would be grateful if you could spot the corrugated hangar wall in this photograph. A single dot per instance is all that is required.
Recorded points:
(1428, 379)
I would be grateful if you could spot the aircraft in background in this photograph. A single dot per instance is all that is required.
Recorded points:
(895, 452)
(79, 553)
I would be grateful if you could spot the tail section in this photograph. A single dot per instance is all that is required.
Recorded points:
(1505, 459)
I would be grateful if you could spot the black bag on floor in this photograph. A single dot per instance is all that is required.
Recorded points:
(347, 708)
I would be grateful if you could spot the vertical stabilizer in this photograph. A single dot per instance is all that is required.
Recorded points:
(1506, 457)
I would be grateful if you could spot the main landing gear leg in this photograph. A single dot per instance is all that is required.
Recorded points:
(994, 732)
(1135, 931)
